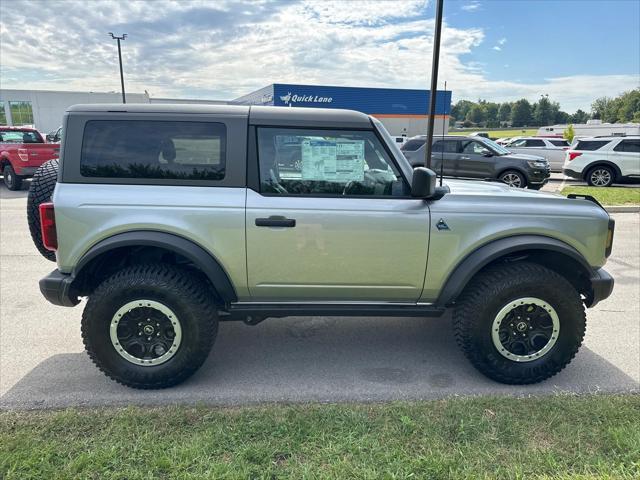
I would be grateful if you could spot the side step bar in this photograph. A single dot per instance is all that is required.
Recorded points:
(242, 310)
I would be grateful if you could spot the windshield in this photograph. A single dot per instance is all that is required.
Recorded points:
(499, 149)
(393, 146)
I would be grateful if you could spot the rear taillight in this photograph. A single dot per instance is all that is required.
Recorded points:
(48, 226)
(573, 155)
(23, 154)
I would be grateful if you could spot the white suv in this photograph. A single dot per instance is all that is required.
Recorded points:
(550, 148)
(601, 161)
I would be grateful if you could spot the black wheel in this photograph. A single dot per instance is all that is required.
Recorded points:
(601, 176)
(40, 191)
(513, 179)
(11, 180)
(520, 323)
(150, 326)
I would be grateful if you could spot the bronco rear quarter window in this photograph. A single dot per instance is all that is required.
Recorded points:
(149, 149)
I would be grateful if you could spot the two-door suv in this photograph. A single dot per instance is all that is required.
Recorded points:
(170, 218)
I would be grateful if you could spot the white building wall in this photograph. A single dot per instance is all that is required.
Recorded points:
(48, 106)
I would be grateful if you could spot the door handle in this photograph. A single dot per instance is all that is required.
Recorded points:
(276, 221)
(465, 158)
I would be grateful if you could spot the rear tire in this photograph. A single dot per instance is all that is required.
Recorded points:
(502, 339)
(40, 191)
(119, 325)
(601, 176)
(11, 180)
(513, 179)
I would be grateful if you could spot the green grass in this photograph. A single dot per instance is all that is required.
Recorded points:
(608, 195)
(515, 132)
(558, 436)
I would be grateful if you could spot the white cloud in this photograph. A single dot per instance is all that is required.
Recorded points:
(226, 49)
(502, 41)
(470, 7)
(497, 48)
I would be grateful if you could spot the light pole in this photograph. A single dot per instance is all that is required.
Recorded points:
(124, 35)
(434, 83)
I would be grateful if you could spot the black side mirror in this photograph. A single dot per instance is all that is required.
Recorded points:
(487, 153)
(423, 183)
(50, 137)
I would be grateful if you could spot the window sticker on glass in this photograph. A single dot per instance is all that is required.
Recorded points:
(333, 161)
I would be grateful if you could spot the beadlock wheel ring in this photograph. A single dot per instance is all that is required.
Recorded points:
(170, 324)
(544, 322)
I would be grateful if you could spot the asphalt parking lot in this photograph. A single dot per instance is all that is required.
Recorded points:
(324, 359)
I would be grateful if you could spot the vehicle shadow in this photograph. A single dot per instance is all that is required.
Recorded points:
(5, 193)
(322, 359)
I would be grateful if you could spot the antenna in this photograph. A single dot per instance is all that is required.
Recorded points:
(442, 137)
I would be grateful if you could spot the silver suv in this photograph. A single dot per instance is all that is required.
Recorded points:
(169, 219)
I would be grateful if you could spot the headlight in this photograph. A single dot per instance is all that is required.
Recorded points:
(537, 163)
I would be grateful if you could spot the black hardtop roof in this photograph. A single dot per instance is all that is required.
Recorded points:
(258, 115)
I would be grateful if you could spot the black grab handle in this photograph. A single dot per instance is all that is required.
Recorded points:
(276, 221)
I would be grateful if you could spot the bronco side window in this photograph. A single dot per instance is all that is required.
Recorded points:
(154, 149)
(326, 162)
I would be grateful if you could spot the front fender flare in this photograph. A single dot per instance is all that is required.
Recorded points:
(484, 255)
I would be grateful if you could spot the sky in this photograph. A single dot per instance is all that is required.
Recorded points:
(498, 50)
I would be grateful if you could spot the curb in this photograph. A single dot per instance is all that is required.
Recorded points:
(623, 208)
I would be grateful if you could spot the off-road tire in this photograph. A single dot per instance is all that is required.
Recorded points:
(11, 180)
(40, 191)
(177, 288)
(604, 168)
(488, 292)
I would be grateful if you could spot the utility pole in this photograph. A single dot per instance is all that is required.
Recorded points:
(124, 35)
(434, 83)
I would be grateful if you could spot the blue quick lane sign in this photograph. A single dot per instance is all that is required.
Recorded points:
(366, 100)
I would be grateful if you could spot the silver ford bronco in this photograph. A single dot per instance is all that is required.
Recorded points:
(171, 218)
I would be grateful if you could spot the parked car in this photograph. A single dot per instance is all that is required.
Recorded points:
(479, 157)
(503, 140)
(55, 136)
(553, 149)
(166, 242)
(603, 161)
(22, 151)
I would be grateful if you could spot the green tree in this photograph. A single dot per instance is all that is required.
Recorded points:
(460, 109)
(629, 106)
(521, 113)
(579, 117)
(491, 114)
(476, 114)
(561, 117)
(569, 133)
(544, 111)
(504, 113)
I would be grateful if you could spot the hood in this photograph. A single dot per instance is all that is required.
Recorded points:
(494, 188)
(524, 156)
(481, 196)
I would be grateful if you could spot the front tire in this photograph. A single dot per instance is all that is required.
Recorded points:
(520, 323)
(513, 179)
(11, 180)
(150, 326)
(601, 176)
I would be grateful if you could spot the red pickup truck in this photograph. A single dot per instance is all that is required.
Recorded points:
(22, 151)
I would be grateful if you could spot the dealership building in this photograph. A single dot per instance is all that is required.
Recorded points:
(402, 111)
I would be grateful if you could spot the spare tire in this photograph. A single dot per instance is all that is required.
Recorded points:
(42, 185)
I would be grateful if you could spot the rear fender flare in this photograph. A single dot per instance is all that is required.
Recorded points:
(174, 243)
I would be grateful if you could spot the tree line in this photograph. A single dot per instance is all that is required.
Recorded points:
(522, 113)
